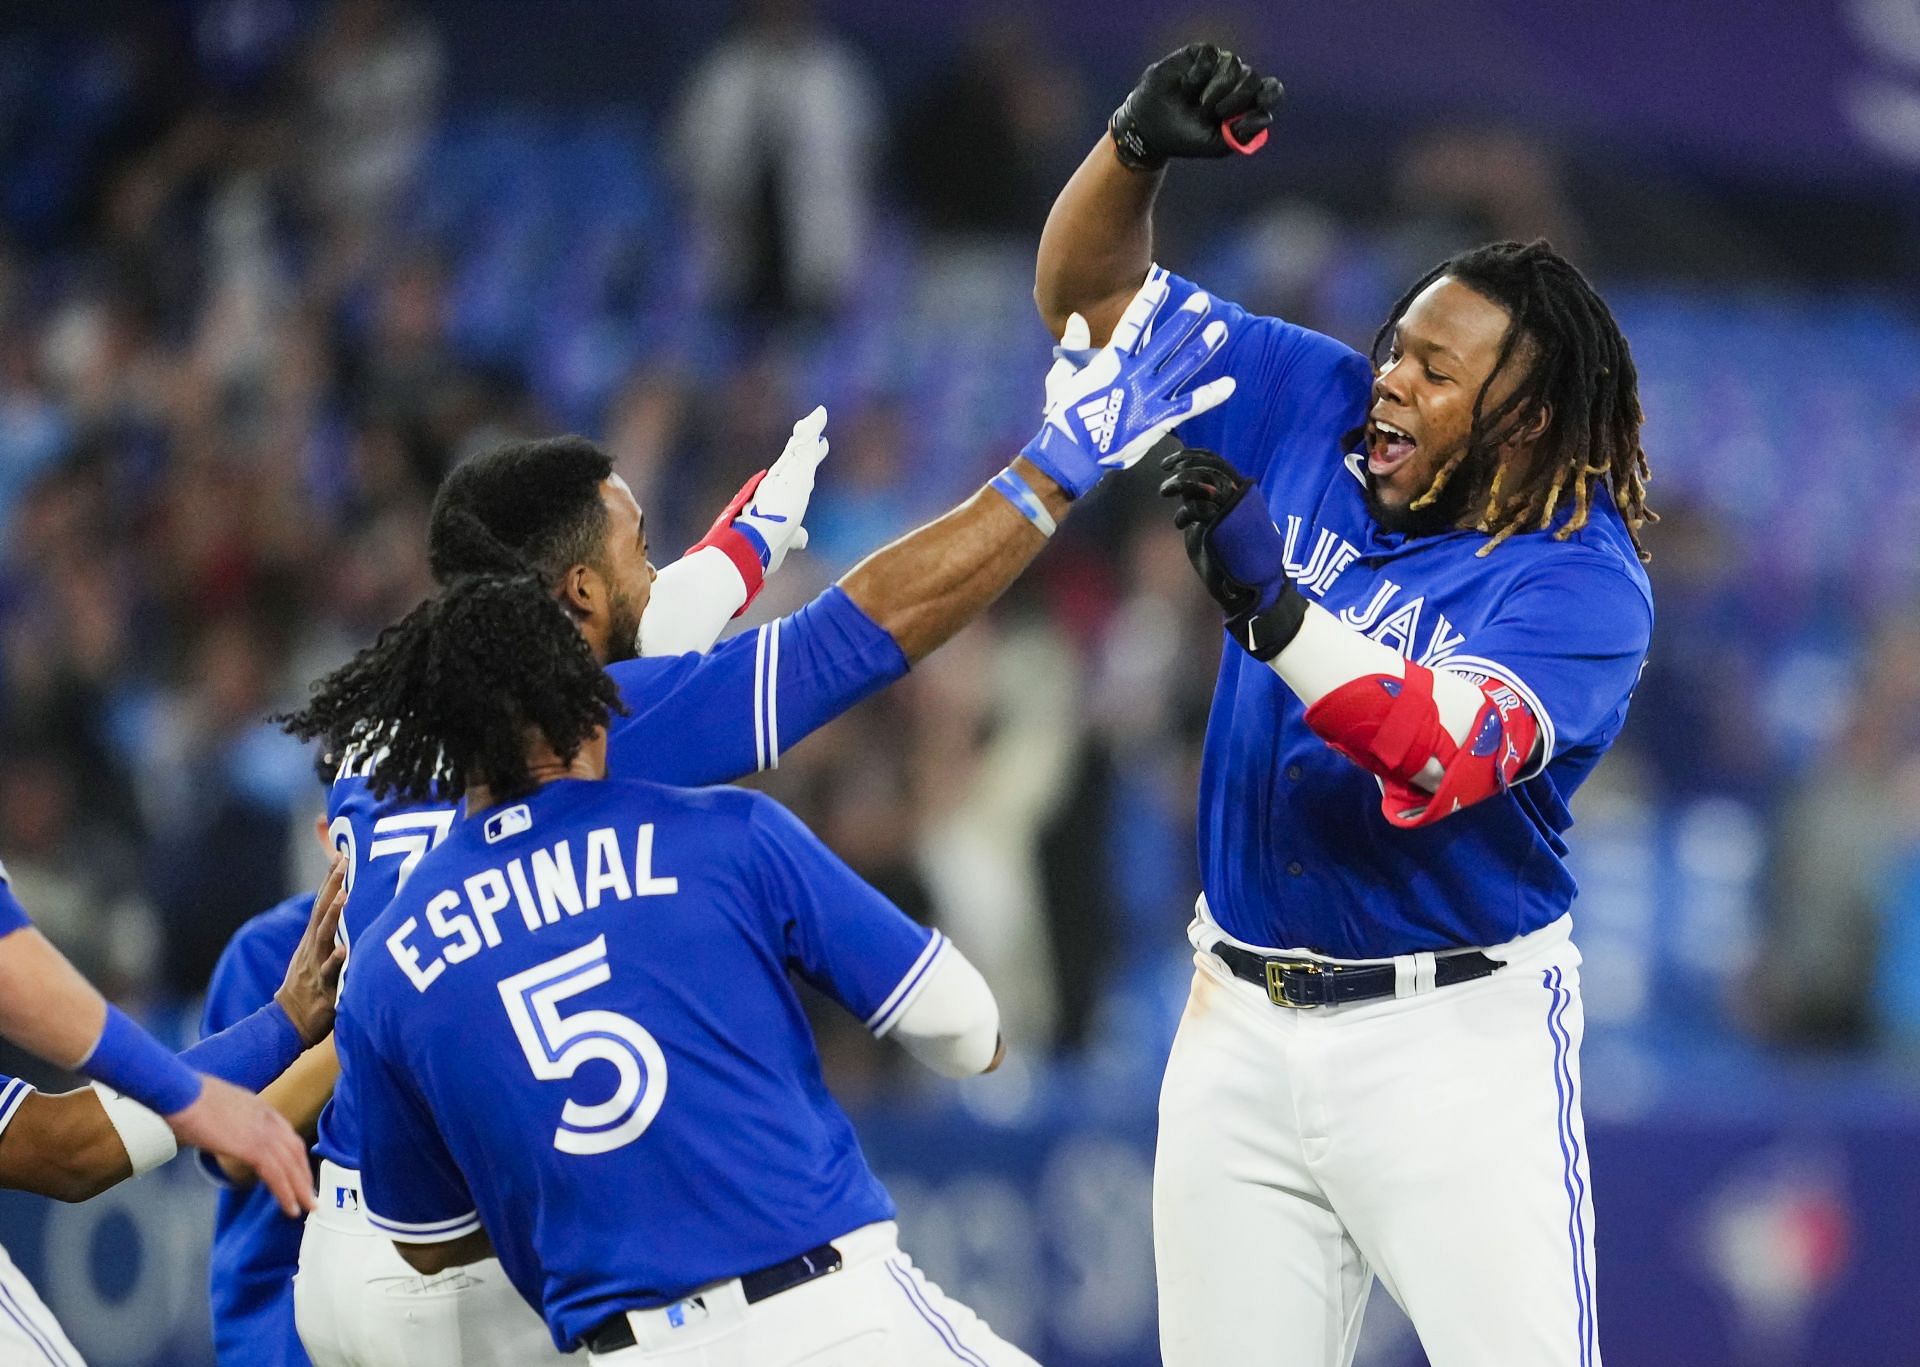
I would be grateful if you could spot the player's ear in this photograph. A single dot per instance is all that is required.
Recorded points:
(581, 590)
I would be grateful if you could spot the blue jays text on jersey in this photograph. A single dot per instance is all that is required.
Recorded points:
(1294, 851)
(256, 1249)
(575, 1026)
(693, 720)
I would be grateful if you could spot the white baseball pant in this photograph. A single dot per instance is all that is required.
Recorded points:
(1432, 1139)
(29, 1334)
(357, 1303)
(876, 1311)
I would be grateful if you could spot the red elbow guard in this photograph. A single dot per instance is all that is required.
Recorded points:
(733, 543)
(1391, 727)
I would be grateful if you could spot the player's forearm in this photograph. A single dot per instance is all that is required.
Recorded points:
(63, 1147)
(693, 599)
(925, 587)
(1097, 244)
(46, 1007)
(299, 1094)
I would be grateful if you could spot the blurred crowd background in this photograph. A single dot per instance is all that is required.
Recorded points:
(269, 268)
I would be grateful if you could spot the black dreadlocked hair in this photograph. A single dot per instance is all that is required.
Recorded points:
(539, 499)
(1579, 370)
(446, 696)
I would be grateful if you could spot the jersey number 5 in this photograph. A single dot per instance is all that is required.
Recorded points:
(556, 1046)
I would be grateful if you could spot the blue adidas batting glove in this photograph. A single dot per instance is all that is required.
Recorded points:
(1108, 414)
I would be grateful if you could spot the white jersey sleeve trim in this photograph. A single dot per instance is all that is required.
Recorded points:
(766, 697)
(952, 1025)
(910, 985)
(1544, 748)
(147, 1138)
(11, 1098)
(429, 1232)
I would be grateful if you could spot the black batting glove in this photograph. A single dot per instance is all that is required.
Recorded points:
(1235, 549)
(1181, 102)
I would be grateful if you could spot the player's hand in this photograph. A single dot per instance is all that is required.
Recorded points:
(1182, 102)
(313, 974)
(235, 1124)
(1235, 548)
(772, 519)
(1107, 414)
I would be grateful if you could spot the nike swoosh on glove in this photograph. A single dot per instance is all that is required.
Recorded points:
(1110, 412)
(773, 518)
(763, 521)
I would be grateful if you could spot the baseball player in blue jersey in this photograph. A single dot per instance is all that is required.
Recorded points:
(572, 1039)
(255, 1246)
(1436, 611)
(76, 1145)
(696, 719)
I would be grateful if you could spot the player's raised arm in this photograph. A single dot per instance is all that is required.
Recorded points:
(1098, 240)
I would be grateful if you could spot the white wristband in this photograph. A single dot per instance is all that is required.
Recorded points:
(147, 1138)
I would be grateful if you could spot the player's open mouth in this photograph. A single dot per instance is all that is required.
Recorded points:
(1388, 447)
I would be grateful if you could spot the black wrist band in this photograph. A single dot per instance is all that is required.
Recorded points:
(1129, 145)
(1264, 635)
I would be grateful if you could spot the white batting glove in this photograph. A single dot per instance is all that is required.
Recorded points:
(774, 516)
(1073, 353)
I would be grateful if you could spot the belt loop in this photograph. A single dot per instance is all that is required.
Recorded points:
(1423, 971)
(1406, 971)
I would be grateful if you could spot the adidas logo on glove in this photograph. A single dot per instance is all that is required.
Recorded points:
(1101, 416)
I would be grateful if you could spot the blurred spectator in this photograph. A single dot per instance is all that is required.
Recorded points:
(373, 80)
(1841, 857)
(778, 132)
(992, 139)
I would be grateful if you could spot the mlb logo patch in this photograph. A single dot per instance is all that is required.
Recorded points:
(690, 1311)
(510, 821)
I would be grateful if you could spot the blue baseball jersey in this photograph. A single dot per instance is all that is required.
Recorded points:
(256, 1249)
(575, 1026)
(13, 916)
(1294, 851)
(692, 720)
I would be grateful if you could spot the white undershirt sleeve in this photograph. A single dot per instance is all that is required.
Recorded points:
(148, 1140)
(693, 600)
(952, 1025)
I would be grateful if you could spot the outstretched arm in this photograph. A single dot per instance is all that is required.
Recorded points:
(925, 587)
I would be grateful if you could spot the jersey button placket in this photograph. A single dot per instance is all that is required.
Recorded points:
(1295, 868)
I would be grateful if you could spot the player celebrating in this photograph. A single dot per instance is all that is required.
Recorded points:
(1378, 1069)
(694, 719)
(717, 1195)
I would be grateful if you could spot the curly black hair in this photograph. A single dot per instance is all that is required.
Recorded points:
(1579, 371)
(540, 499)
(446, 697)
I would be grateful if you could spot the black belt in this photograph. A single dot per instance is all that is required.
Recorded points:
(1308, 982)
(616, 1333)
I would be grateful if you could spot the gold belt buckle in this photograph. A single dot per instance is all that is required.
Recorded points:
(1277, 983)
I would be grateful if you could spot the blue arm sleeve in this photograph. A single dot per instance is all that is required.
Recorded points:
(1299, 392)
(840, 934)
(244, 980)
(1571, 641)
(415, 1193)
(714, 718)
(251, 1052)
